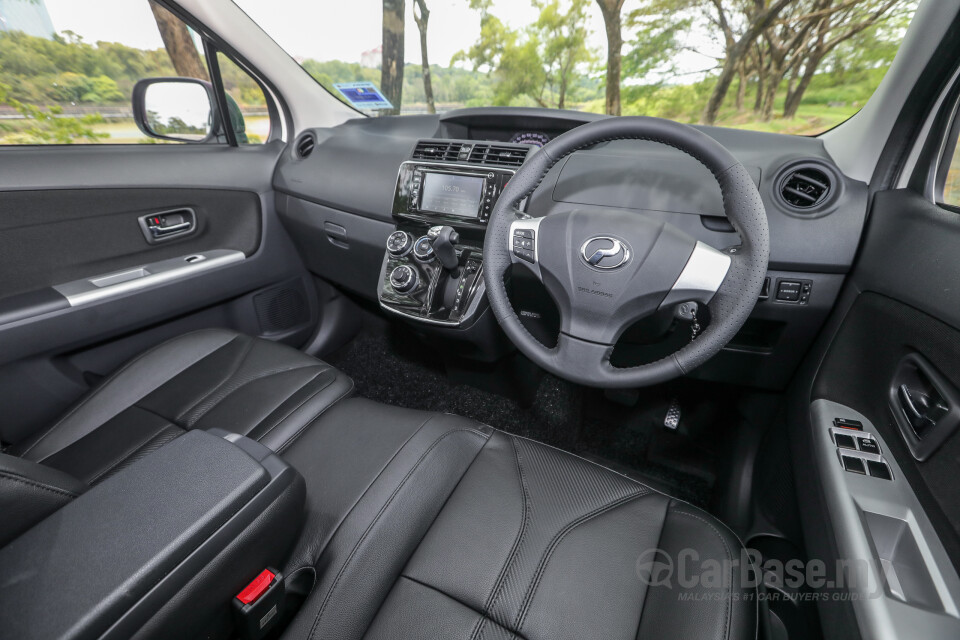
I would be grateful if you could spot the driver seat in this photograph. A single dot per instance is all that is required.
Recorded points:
(424, 525)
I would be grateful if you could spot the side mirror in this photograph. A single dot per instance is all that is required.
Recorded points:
(178, 109)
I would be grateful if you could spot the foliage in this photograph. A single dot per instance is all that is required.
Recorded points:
(50, 126)
(545, 63)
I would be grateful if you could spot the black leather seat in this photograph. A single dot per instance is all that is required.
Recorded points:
(419, 525)
(202, 380)
(424, 525)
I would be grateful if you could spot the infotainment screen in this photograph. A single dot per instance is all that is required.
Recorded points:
(451, 194)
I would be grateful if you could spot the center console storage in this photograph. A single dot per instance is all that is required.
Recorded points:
(158, 550)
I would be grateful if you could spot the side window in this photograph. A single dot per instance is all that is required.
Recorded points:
(951, 186)
(67, 75)
(247, 103)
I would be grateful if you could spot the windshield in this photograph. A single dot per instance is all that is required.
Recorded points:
(800, 66)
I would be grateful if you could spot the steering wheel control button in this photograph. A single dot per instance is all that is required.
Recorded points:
(844, 441)
(404, 279)
(854, 465)
(399, 243)
(524, 243)
(423, 249)
(605, 253)
(868, 445)
(525, 254)
(879, 470)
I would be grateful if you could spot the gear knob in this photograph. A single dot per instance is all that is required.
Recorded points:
(445, 240)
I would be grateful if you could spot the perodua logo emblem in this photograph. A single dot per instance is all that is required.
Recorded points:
(605, 253)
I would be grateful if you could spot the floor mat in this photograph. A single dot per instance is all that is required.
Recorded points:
(395, 369)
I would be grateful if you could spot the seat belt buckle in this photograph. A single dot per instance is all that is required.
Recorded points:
(257, 608)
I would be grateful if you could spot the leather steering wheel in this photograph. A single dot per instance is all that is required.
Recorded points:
(607, 268)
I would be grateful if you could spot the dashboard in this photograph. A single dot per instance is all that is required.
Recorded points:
(367, 179)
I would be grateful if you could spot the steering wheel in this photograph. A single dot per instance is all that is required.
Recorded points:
(607, 268)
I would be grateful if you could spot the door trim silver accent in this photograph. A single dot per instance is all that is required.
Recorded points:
(117, 283)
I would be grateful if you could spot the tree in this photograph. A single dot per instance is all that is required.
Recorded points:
(421, 16)
(612, 23)
(391, 68)
(179, 44)
(755, 16)
(839, 22)
(543, 62)
(656, 39)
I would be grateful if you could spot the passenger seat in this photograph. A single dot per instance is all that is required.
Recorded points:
(203, 380)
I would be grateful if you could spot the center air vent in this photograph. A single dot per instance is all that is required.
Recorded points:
(484, 154)
(499, 155)
(438, 150)
(805, 187)
(305, 146)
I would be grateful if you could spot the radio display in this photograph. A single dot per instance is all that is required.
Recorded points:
(452, 195)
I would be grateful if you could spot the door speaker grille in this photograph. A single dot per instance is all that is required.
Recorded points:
(282, 308)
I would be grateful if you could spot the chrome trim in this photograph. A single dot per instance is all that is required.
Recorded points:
(433, 163)
(701, 277)
(616, 247)
(117, 283)
(479, 294)
(534, 225)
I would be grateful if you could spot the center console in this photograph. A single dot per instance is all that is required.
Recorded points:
(160, 549)
(432, 269)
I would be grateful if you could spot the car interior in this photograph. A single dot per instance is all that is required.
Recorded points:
(498, 372)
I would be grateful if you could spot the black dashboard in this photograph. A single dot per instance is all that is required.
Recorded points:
(339, 202)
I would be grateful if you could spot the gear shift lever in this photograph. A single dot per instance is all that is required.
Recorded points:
(445, 240)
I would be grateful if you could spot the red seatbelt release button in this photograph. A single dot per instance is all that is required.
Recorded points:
(258, 608)
(252, 592)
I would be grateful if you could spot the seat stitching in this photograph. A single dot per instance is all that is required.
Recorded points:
(728, 615)
(233, 372)
(558, 538)
(460, 602)
(130, 451)
(298, 407)
(376, 519)
(38, 485)
(116, 375)
(518, 540)
(294, 437)
(646, 591)
(386, 465)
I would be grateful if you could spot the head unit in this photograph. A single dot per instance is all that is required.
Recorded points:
(437, 192)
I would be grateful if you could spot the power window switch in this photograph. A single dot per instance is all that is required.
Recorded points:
(854, 465)
(879, 470)
(868, 445)
(844, 441)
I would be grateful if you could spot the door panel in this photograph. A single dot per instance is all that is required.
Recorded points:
(901, 304)
(53, 237)
(74, 215)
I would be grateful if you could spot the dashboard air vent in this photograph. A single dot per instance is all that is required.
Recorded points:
(305, 146)
(805, 187)
(438, 151)
(499, 155)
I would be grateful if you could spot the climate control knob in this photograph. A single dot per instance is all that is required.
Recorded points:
(423, 249)
(399, 243)
(404, 279)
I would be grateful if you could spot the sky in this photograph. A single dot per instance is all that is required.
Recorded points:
(323, 29)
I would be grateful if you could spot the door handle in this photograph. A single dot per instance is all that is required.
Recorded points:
(920, 409)
(925, 405)
(166, 225)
